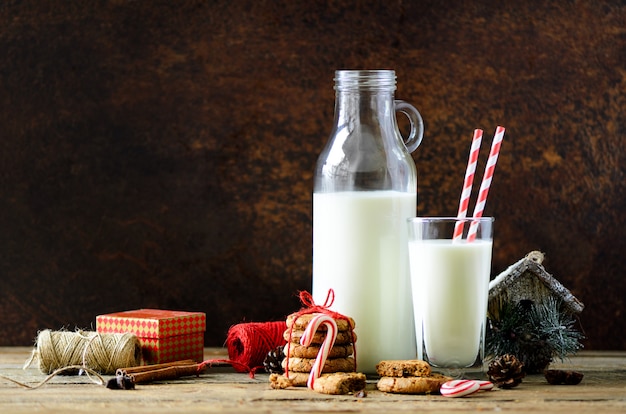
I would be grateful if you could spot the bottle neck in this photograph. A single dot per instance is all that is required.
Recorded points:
(365, 107)
(365, 80)
(366, 97)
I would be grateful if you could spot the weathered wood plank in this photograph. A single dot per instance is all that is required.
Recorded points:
(222, 390)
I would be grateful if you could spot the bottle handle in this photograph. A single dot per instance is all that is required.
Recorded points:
(417, 124)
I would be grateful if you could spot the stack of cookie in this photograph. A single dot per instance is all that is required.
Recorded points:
(408, 377)
(300, 359)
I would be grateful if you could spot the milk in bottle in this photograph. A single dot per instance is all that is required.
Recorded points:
(365, 189)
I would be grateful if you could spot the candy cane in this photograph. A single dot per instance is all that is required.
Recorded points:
(329, 341)
(459, 388)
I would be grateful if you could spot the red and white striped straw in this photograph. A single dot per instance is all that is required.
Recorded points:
(468, 183)
(486, 183)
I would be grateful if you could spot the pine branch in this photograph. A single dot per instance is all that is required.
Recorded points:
(557, 328)
(534, 333)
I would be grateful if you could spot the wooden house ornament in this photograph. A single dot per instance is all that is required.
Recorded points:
(528, 280)
(531, 316)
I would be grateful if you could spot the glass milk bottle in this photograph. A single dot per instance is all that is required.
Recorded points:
(365, 189)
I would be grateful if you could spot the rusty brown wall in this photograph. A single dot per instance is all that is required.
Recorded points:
(160, 153)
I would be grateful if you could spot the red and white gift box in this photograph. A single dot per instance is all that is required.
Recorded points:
(165, 335)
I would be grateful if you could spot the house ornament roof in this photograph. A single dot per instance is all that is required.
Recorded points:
(527, 279)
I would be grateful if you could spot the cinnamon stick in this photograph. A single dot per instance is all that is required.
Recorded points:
(166, 373)
(159, 372)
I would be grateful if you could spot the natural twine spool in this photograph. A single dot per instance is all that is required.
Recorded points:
(103, 353)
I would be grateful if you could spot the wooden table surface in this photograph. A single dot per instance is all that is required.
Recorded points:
(603, 390)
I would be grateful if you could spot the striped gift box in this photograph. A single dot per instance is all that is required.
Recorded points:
(165, 335)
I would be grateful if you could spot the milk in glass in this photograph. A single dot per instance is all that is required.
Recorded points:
(450, 283)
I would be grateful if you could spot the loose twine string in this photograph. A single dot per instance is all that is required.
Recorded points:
(92, 353)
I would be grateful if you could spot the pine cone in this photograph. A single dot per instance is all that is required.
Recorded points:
(506, 371)
(557, 376)
(273, 361)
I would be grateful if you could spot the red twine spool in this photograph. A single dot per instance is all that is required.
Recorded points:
(249, 343)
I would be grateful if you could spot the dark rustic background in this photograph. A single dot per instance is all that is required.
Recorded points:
(160, 153)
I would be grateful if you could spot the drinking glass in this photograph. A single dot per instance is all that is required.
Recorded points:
(450, 284)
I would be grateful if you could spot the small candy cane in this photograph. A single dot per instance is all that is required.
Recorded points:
(461, 388)
(329, 341)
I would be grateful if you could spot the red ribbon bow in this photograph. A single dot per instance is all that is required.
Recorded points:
(309, 305)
